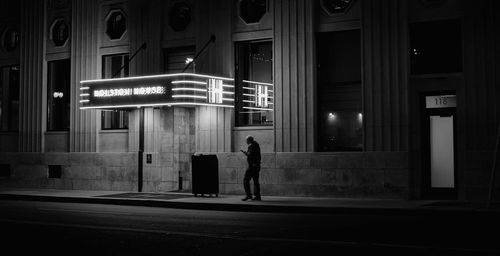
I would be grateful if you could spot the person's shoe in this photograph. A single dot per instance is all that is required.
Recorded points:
(246, 198)
(257, 198)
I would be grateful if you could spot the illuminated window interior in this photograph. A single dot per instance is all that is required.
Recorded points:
(111, 65)
(340, 118)
(254, 83)
(436, 47)
(58, 95)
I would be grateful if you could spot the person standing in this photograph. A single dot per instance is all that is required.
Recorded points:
(252, 172)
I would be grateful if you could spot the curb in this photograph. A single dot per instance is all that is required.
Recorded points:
(251, 207)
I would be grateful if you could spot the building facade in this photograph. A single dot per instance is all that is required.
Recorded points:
(356, 98)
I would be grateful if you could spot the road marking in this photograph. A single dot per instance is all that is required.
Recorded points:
(258, 239)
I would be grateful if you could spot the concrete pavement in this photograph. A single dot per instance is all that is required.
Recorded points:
(234, 203)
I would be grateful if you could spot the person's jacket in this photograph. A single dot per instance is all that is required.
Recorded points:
(253, 154)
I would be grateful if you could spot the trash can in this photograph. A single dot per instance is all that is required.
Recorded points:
(205, 175)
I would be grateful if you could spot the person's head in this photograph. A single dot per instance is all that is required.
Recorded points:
(249, 139)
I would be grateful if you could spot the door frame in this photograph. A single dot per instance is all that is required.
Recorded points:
(427, 192)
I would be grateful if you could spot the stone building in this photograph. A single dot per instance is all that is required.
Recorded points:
(357, 98)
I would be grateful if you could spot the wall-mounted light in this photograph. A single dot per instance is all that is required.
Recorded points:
(58, 95)
(332, 116)
(360, 117)
(189, 60)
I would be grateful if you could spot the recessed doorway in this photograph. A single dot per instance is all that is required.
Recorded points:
(439, 147)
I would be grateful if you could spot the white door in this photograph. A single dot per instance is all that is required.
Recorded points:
(442, 152)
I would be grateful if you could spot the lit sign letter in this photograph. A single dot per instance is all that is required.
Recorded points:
(214, 91)
(129, 91)
(149, 90)
(112, 92)
(261, 96)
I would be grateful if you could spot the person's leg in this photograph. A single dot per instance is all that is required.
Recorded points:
(256, 184)
(246, 184)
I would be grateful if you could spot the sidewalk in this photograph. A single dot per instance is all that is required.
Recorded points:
(269, 203)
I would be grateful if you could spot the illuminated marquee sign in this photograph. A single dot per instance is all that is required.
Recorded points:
(257, 96)
(215, 91)
(262, 96)
(145, 90)
(183, 89)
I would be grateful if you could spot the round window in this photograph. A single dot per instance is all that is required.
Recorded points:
(60, 32)
(116, 24)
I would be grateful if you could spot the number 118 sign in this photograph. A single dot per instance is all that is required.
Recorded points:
(441, 101)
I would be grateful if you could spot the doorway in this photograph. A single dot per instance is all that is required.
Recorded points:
(439, 146)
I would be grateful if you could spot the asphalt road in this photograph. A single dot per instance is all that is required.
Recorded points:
(94, 229)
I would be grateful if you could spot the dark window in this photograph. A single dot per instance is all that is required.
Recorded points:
(55, 171)
(4, 170)
(59, 4)
(340, 119)
(9, 98)
(58, 95)
(251, 11)
(179, 16)
(10, 40)
(432, 3)
(436, 47)
(254, 83)
(112, 68)
(335, 6)
(114, 119)
(177, 58)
